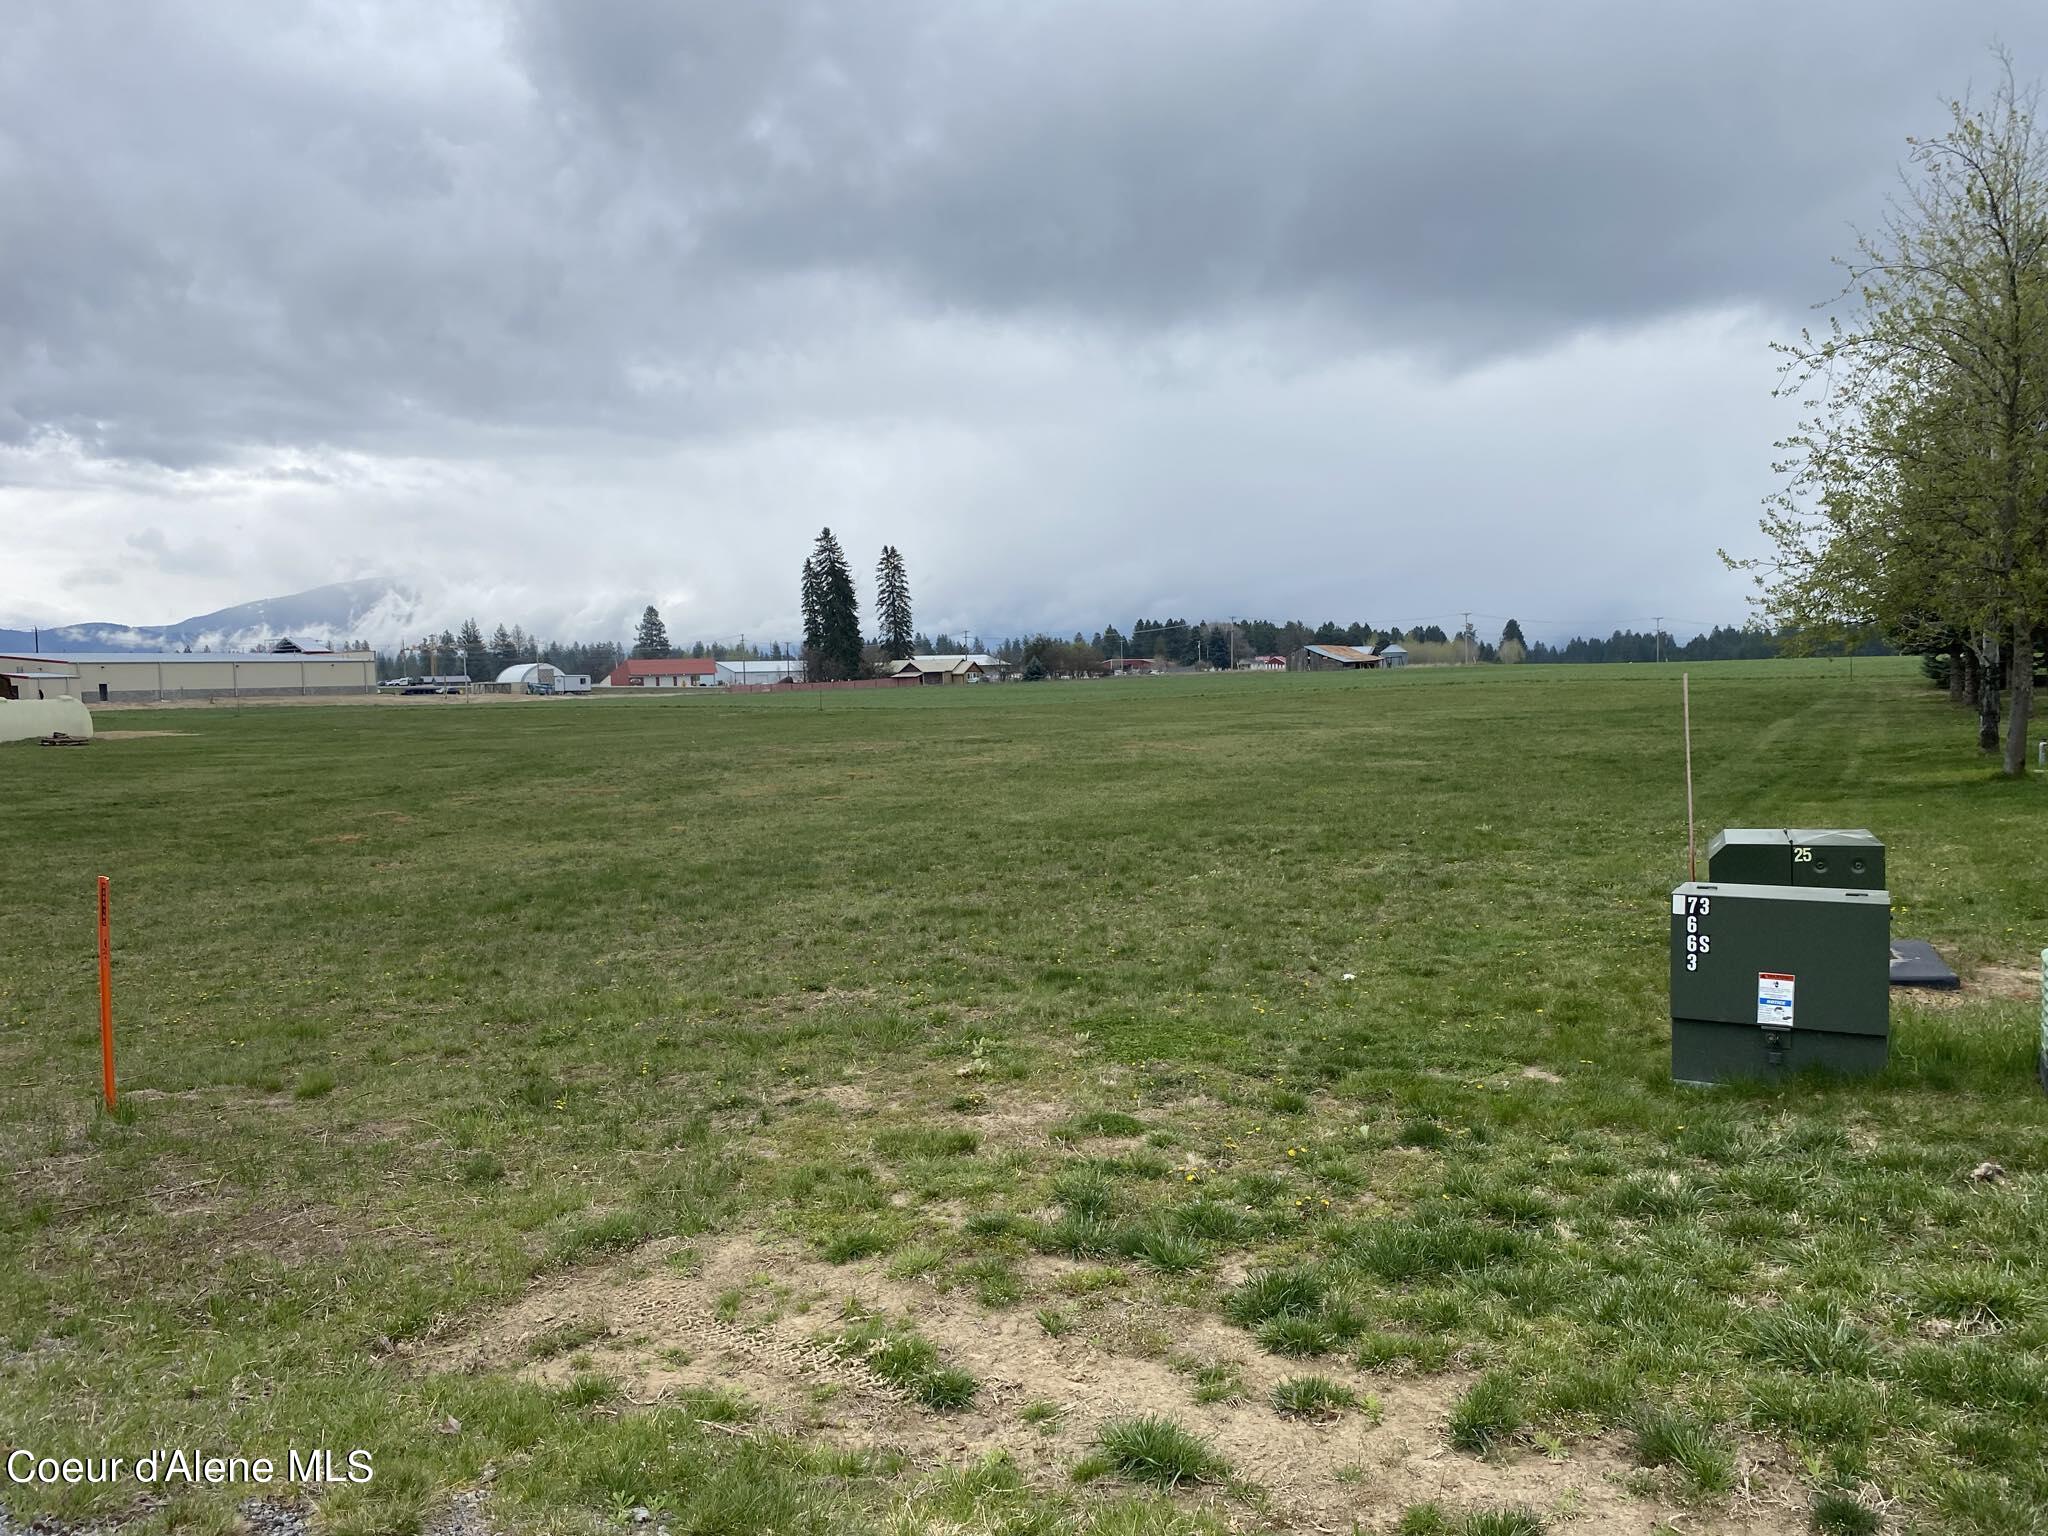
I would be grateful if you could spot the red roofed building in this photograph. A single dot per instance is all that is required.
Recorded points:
(670, 672)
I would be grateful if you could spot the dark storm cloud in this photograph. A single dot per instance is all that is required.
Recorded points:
(224, 227)
(1476, 174)
(981, 279)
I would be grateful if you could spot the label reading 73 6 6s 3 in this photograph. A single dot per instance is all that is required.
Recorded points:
(1774, 999)
(1694, 910)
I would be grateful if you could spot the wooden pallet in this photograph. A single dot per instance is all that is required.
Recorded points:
(59, 739)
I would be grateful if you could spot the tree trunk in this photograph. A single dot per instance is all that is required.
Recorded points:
(2021, 671)
(1988, 673)
(1972, 676)
(1955, 673)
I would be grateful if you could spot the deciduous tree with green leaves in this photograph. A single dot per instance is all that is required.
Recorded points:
(1916, 493)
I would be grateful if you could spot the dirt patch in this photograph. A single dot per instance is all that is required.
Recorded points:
(1017, 1121)
(341, 837)
(853, 1098)
(136, 735)
(655, 1323)
(2013, 982)
(1988, 983)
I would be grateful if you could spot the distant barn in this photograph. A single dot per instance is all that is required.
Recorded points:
(1333, 658)
(665, 672)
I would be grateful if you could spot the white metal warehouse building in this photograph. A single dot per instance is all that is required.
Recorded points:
(123, 676)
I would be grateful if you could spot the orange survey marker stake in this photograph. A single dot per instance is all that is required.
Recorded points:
(106, 997)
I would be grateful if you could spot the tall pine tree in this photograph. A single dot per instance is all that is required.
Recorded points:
(814, 608)
(476, 662)
(832, 644)
(892, 604)
(650, 641)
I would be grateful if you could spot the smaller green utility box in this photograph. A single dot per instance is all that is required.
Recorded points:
(1768, 980)
(1842, 858)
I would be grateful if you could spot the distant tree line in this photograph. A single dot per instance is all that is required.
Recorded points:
(465, 652)
(833, 647)
(1724, 642)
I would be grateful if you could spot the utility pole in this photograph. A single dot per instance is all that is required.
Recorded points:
(1659, 622)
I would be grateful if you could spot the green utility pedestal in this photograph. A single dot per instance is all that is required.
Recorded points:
(1847, 858)
(1750, 856)
(1768, 980)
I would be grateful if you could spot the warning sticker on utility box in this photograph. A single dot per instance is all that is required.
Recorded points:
(1774, 999)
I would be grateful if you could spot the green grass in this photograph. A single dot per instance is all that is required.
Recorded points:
(419, 1009)
(902, 1357)
(1664, 1438)
(1489, 1414)
(1840, 1514)
(1432, 1520)
(1316, 1397)
(1156, 1450)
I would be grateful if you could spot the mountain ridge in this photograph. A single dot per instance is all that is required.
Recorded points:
(377, 610)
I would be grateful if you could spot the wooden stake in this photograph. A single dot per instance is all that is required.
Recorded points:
(106, 996)
(1692, 856)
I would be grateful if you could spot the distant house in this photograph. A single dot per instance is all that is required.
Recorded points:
(1334, 658)
(1394, 656)
(950, 669)
(1263, 664)
(1133, 664)
(668, 672)
(744, 673)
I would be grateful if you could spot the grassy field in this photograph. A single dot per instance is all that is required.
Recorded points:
(1142, 1107)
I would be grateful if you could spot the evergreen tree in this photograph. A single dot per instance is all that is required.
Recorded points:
(1219, 647)
(892, 604)
(476, 659)
(650, 642)
(503, 652)
(813, 602)
(831, 614)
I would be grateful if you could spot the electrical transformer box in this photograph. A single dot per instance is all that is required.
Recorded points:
(1750, 856)
(1768, 980)
(1849, 858)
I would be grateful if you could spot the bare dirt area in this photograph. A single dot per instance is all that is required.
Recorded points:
(1988, 983)
(741, 1316)
(136, 735)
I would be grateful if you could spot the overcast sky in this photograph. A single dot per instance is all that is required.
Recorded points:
(553, 308)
